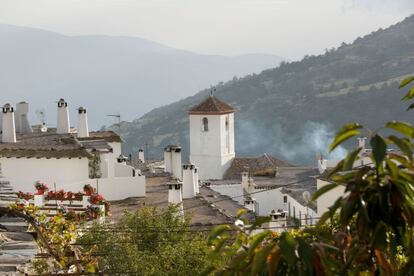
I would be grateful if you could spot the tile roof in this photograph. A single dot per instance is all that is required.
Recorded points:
(265, 165)
(211, 105)
(44, 145)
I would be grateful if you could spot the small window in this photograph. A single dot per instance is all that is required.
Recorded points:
(205, 124)
(227, 123)
(284, 199)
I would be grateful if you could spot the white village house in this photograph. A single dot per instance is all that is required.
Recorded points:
(66, 157)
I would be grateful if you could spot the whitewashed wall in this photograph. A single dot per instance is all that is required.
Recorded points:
(267, 200)
(123, 170)
(23, 173)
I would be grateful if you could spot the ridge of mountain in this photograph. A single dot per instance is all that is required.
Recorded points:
(293, 110)
(99, 72)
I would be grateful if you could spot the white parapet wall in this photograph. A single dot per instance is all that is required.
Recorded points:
(119, 188)
(24, 172)
(123, 170)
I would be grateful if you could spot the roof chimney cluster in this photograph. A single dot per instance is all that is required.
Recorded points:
(16, 121)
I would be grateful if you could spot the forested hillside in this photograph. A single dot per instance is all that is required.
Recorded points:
(293, 110)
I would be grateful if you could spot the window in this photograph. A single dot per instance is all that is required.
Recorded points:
(227, 123)
(205, 124)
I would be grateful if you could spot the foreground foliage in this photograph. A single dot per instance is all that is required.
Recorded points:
(369, 230)
(150, 241)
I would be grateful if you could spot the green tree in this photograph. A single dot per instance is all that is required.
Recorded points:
(369, 230)
(150, 241)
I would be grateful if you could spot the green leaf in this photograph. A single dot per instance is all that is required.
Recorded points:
(323, 190)
(346, 132)
(379, 148)
(411, 106)
(393, 168)
(406, 81)
(260, 259)
(402, 127)
(409, 95)
(240, 213)
(217, 231)
(257, 239)
(379, 239)
(349, 208)
(403, 144)
(350, 159)
(287, 246)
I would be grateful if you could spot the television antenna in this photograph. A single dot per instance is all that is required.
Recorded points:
(117, 117)
(41, 115)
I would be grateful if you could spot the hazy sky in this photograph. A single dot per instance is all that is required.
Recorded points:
(288, 28)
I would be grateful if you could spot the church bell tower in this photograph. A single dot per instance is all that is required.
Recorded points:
(212, 137)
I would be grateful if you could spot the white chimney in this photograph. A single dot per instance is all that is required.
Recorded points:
(141, 155)
(361, 142)
(21, 117)
(196, 180)
(250, 203)
(247, 183)
(63, 124)
(175, 196)
(167, 159)
(245, 179)
(8, 125)
(277, 220)
(172, 160)
(189, 187)
(176, 162)
(83, 129)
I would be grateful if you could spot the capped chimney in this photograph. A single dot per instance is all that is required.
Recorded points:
(141, 155)
(176, 162)
(189, 187)
(172, 160)
(83, 129)
(196, 180)
(8, 125)
(175, 196)
(167, 159)
(361, 142)
(21, 118)
(250, 203)
(63, 124)
(278, 220)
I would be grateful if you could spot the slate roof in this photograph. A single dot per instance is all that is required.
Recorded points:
(211, 105)
(265, 165)
(44, 145)
(108, 136)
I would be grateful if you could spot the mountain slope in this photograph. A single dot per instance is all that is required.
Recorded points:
(294, 110)
(107, 74)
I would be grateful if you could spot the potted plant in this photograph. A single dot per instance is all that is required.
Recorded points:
(88, 189)
(41, 188)
(61, 195)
